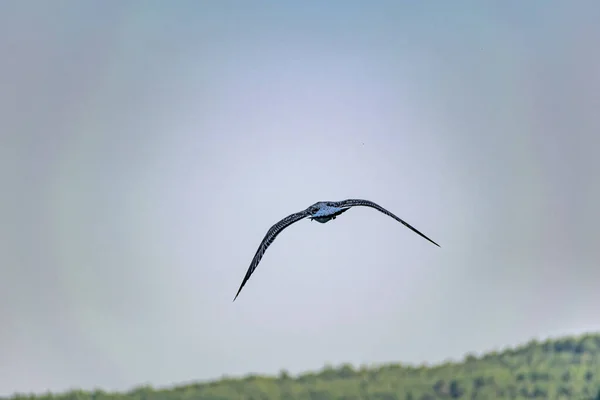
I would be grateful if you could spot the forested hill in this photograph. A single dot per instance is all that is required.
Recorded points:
(566, 368)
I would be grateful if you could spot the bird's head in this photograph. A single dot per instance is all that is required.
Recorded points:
(318, 209)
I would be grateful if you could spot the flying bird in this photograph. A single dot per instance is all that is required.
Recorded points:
(322, 211)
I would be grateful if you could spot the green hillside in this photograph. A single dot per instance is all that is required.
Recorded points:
(566, 368)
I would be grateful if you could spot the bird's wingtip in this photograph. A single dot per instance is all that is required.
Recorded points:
(236, 295)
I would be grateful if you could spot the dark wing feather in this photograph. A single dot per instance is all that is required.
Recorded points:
(367, 203)
(267, 241)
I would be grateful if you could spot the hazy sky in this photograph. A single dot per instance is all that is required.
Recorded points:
(146, 147)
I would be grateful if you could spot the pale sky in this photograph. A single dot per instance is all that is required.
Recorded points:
(146, 147)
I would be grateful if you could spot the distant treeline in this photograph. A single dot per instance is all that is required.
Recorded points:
(566, 368)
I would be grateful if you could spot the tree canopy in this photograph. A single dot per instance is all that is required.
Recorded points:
(565, 368)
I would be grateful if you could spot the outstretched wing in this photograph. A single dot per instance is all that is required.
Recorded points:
(266, 242)
(367, 203)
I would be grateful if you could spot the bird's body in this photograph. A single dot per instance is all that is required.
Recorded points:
(326, 211)
(322, 211)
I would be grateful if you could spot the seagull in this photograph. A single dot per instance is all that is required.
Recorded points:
(322, 211)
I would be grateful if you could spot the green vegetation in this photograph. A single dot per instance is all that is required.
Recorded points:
(566, 368)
